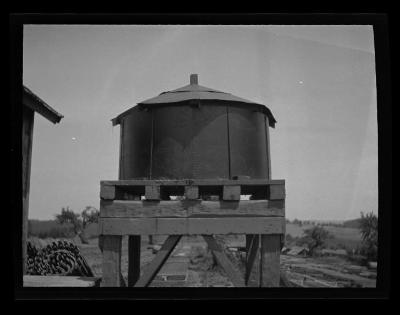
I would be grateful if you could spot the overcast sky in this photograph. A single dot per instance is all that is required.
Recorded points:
(318, 81)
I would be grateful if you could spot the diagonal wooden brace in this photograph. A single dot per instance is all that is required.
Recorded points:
(251, 255)
(224, 262)
(152, 269)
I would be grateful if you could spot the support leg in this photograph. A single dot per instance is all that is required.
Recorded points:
(252, 250)
(133, 259)
(111, 260)
(249, 239)
(270, 260)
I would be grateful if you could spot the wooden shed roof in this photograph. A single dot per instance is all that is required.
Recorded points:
(35, 103)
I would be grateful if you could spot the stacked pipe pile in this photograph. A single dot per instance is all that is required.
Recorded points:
(59, 257)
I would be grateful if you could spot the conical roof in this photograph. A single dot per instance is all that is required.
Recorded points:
(194, 91)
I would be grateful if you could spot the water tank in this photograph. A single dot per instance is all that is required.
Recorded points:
(195, 132)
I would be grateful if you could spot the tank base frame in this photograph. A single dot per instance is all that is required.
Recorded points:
(204, 207)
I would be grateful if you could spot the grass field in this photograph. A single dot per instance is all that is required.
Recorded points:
(344, 237)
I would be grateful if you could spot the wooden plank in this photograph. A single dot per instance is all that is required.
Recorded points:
(190, 208)
(189, 226)
(249, 239)
(31, 100)
(60, 281)
(251, 255)
(276, 192)
(231, 192)
(111, 261)
(270, 261)
(220, 256)
(192, 192)
(107, 192)
(27, 134)
(133, 259)
(152, 192)
(162, 255)
(193, 182)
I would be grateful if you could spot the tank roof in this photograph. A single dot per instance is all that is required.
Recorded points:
(194, 91)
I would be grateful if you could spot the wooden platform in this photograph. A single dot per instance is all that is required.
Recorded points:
(60, 281)
(144, 207)
(123, 213)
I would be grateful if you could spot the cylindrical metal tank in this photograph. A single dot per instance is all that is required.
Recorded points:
(207, 134)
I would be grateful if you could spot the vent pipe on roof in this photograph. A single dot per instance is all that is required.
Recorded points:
(194, 79)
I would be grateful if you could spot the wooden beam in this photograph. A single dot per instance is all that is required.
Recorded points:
(192, 182)
(162, 255)
(277, 192)
(190, 208)
(152, 192)
(27, 135)
(107, 192)
(111, 261)
(133, 259)
(32, 101)
(249, 239)
(190, 226)
(220, 256)
(270, 261)
(251, 255)
(191, 192)
(231, 192)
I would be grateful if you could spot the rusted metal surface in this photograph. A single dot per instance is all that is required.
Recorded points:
(247, 143)
(172, 142)
(195, 139)
(192, 142)
(210, 142)
(135, 145)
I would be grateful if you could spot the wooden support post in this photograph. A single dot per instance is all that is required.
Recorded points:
(133, 259)
(191, 192)
(27, 135)
(111, 260)
(107, 192)
(270, 260)
(151, 270)
(152, 192)
(277, 192)
(249, 239)
(231, 192)
(224, 262)
(251, 255)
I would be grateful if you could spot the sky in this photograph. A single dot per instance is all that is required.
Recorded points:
(318, 81)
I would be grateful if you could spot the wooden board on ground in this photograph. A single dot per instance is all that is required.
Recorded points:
(365, 282)
(60, 281)
(190, 208)
(188, 226)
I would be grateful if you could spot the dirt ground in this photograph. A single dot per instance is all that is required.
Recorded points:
(192, 265)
